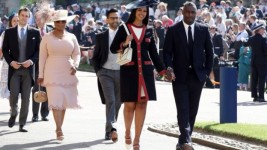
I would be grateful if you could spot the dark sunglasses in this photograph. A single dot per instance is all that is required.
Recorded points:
(61, 21)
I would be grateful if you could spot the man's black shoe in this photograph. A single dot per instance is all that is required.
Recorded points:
(262, 100)
(34, 118)
(21, 129)
(107, 136)
(11, 121)
(44, 119)
(255, 99)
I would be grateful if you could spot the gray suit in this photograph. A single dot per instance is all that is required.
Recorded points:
(109, 79)
(20, 80)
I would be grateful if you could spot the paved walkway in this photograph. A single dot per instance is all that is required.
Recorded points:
(84, 128)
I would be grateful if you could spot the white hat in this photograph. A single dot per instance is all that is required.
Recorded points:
(75, 4)
(60, 15)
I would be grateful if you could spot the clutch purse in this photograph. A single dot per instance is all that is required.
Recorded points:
(127, 53)
(125, 57)
(40, 96)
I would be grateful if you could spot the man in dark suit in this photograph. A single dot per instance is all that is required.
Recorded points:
(21, 50)
(228, 8)
(217, 41)
(108, 73)
(188, 50)
(258, 62)
(124, 13)
(43, 29)
(243, 9)
(77, 29)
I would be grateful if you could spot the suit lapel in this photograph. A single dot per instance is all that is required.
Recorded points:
(29, 38)
(196, 36)
(16, 36)
(106, 40)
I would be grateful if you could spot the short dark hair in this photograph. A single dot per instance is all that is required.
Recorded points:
(24, 9)
(112, 10)
(189, 3)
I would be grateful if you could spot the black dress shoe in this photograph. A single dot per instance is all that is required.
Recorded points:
(44, 119)
(21, 129)
(255, 99)
(262, 100)
(34, 118)
(11, 121)
(107, 136)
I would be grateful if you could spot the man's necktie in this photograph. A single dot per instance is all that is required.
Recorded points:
(22, 33)
(42, 32)
(190, 44)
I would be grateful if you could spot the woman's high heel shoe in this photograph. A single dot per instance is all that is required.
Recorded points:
(128, 143)
(136, 147)
(60, 135)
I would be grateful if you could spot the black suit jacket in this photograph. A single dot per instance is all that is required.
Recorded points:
(100, 56)
(217, 41)
(11, 48)
(176, 54)
(259, 49)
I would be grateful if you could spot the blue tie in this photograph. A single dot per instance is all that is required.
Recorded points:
(22, 33)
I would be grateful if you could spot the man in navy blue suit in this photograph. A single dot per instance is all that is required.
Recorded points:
(188, 54)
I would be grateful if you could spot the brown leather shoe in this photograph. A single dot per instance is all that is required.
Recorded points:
(114, 136)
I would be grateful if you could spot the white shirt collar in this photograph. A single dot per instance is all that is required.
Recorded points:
(111, 31)
(186, 25)
(25, 27)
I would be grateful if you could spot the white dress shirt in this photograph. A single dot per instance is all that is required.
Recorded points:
(192, 29)
(242, 35)
(19, 30)
(111, 61)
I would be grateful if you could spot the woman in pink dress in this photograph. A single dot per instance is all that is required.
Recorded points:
(58, 62)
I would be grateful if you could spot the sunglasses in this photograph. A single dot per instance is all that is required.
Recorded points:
(61, 21)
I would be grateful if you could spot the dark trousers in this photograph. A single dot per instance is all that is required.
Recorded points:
(187, 96)
(258, 74)
(110, 82)
(20, 82)
(35, 106)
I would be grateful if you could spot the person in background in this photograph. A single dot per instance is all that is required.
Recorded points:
(4, 92)
(124, 14)
(179, 16)
(43, 29)
(258, 62)
(58, 62)
(244, 67)
(137, 83)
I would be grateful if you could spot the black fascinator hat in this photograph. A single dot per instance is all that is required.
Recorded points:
(141, 3)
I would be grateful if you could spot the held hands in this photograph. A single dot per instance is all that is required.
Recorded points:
(15, 64)
(26, 64)
(169, 75)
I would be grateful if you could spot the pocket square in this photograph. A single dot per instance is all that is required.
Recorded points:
(33, 38)
(148, 40)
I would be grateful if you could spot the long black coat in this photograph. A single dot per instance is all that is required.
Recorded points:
(100, 57)
(176, 54)
(259, 49)
(11, 48)
(139, 72)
